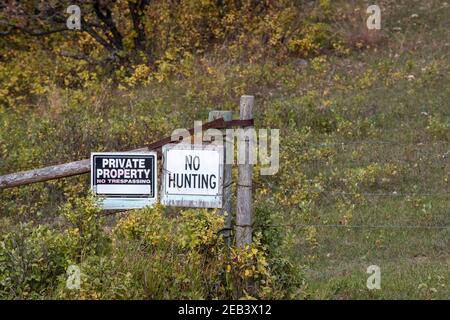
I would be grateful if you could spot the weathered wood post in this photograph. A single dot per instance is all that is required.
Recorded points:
(227, 178)
(244, 216)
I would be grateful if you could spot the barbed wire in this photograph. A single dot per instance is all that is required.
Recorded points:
(259, 184)
(445, 155)
(374, 141)
(353, 226)
(393, 194)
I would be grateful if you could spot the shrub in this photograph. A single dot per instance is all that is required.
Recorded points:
(31, 259)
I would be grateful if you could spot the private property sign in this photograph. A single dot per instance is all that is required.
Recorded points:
(124, 180)
(192, 175)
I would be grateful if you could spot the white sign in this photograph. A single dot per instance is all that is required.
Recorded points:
(124, 180)
(192, 175)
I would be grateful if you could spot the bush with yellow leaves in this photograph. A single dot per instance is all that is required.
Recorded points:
(147, 255)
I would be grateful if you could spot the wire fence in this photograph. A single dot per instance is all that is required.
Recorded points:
(391, 194)
(419, 147)
(443, 153)
(382, 142)
(352, 226)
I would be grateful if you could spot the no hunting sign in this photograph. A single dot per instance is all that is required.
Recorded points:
(192, 175)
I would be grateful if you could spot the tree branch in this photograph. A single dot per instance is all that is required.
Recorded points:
(106, 18)
(82, 56)
(86, 27)
(39, 33)
(136, 9)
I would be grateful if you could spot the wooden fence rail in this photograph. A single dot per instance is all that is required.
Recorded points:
(84, 166)
(218, 120)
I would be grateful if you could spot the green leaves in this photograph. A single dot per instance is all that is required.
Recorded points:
(30, 259)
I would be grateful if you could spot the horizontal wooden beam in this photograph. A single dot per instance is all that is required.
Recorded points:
(48, 173)
(84, 166)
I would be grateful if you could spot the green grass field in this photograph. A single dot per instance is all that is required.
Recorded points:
(364, 173)
(378, 163)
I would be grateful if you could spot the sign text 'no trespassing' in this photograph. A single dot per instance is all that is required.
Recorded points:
(124, 180)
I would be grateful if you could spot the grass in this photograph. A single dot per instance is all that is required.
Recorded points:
(375, 121)
(389, 123)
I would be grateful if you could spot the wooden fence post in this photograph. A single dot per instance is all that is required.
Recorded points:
(227, 178)
(244, 217)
